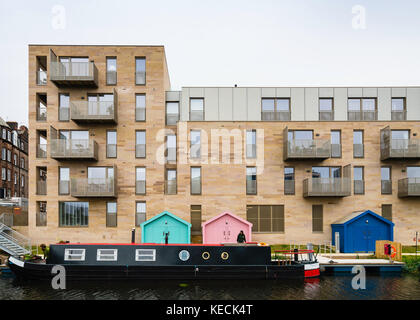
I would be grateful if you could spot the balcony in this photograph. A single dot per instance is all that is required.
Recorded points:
(305, 149)
(362, 115)
(275, 116)
(409, 187)
(399, 115)
(94, 188)
(94, 111)
(398, 148)
(74, 149)
(74, 74)
(64, 187)
(327, 187)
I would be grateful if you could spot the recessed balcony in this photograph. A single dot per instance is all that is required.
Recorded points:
(94, 111)
(294, 149)
(409, 187)
(71, 149)
(326, 187)
(398, 148)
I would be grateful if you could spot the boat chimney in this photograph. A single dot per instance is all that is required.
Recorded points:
(133, 235)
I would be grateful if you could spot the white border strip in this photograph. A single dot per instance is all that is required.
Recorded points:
(16, 262)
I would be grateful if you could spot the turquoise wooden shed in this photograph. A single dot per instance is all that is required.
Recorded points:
(155, 229)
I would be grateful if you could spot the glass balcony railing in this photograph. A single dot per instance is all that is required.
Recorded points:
(93, 187)
(308, 149)
(366, 115)
(74, 73)
(74, 149)
(327, 187)
(409, 187)
(93, 111)
(275, 116)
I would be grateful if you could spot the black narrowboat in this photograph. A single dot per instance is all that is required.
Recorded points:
(166, 261)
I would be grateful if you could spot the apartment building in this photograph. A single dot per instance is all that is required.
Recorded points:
(115, 147)
(14, 160)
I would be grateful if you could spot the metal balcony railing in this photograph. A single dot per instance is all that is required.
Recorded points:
(335, 150)
(289, 187)
(41, 188)
(172, 119)
(326, 115)
(111, 220)
(91, 111)
(41, 219)
(140, 150)
(41, 151)
(171, 154)
(64, 114)
(409, 187)
(195, 151)
(74, 149)
(64, 187)
(308, 149)
(74, 73)
(251, 186)
(251, 151)
(140, 114)
(41, 78)
(93, 187)
(400, 148)
(275, 115)
(399, 115)
(196, 115)
(141, 77)
(195, 186)
(41, 115)
(327, 187)
(111, 78)
(111, 150)
(170, 187)
(140, 187)
(359, 187)
(362, 115)
(358, 150)
(386, 186)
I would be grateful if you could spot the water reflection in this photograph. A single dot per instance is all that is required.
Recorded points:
(381, 287)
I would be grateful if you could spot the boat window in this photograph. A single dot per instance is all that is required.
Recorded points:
(74, 254)
(145, 255)
(107, 255)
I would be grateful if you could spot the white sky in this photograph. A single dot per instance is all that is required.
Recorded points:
(222, 43)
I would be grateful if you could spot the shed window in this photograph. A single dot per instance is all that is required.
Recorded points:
(107, 254)
(74, 254)
(145, 255)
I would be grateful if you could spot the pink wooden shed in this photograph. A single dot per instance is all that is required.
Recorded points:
(225, 228)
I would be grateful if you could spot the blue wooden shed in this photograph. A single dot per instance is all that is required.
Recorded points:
(154, 229)
(359, 231)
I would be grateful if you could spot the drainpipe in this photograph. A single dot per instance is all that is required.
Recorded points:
(133, 235)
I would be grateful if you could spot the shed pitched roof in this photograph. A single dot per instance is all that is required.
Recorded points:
(359, 214)
(167, 213)
(223, 214)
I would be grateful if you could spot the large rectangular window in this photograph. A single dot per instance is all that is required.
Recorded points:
(111, 214)
(196, 220)
(140, 71)
(172, 113)
(251, 144)
(317, 218)
(289, 181)
(362, 109)
(266, 218)
(140, 107)
(251, 180)
(64, 183)
(171, 148)
(387, 211)
(326, 111)
(195, 180)
(64, 107)
(195, 148)
(398, 109)
(140, 144)
(111, 71)
(197, 109)
(275, 109)
(140, 212)
(386, 180)
(171, 182)
(141, 180)
(358, 144)
(111, 144)
(74, 214)
(335, 144)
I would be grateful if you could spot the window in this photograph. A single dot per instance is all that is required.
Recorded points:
(172, 113)
(111, 214)
(111, 144)
(275, 109)
(140, 213)
(400, 135)
(3, 174)
(387, 211)
(326, 112)
(171, 182)
(73, 214)
(326, 172)
(266, 218)
(107, 254)
(359, 181)
(289, 181)
(9, 156)
(195, 219)
(195, 180)
(41, 214)
(141, 71)
(195, 149)
(3, 154)
(22, 163)
(335, 144)
(171, 147)
(140, 107)
(41, 114)
(197, 109)
(145, 254)
(251, 180)
(22, 180)
(111, 71)
(358, 144)
(4, 134)
(15, 159)
(64, 107)
(141, 180)
(251, 144)
(64, 184)
(74, 254)
(386, 180)
(398, 109)
(101, 104)
(317, 218)
(362, 109)
(9, 175)
(140, 144)
(16, 178)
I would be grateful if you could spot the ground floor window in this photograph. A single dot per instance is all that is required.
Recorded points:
(74, 214)
(196, 220)
(387, 211)
(266, 218)
(317, 218)
(140, 212)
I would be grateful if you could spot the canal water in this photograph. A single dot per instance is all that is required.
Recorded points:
(381, 287)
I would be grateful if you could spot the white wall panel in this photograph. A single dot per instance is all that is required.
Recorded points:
(211, 104)
(254, 104)
(297, 103)
(225, 104)
(311, 104)
(413, 104)
(355, 92)
(340, 104)
(384, 103)
(240, 109)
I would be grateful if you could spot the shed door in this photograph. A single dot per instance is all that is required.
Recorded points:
(227, 231)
